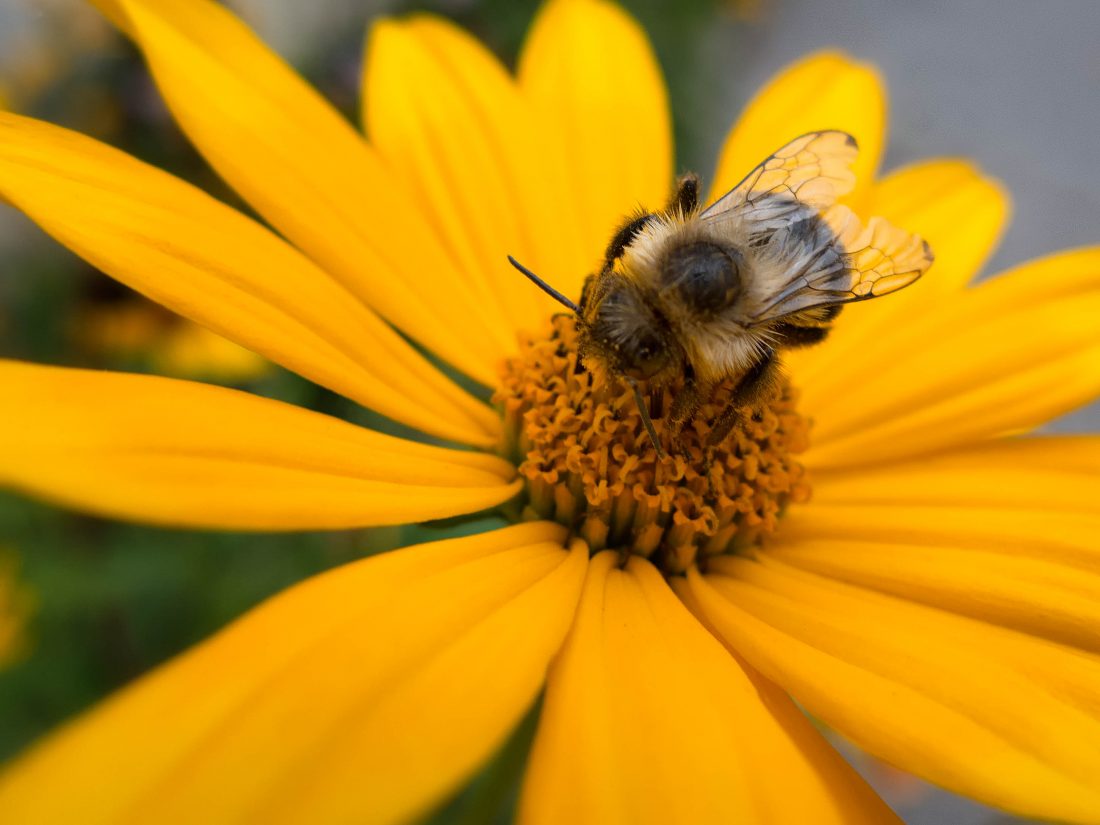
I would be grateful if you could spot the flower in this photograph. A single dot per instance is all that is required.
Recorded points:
(935, 601)
(137, 331)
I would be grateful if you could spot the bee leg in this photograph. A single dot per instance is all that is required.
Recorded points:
(725, 422)
(753, 386)
(685, 199)
(657, 399)
(625, 236)
(685, 405)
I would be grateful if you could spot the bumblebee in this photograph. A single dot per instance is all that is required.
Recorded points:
(715, 294)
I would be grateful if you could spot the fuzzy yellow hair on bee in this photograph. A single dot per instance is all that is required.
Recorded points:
(714, 294)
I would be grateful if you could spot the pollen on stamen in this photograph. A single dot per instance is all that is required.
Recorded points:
(588, 462)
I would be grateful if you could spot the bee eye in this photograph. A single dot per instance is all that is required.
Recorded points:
(648, 356)
(706, 276)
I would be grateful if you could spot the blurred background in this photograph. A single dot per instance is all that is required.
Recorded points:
(86, 605)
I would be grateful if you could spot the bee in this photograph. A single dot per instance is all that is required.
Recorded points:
(715, 294)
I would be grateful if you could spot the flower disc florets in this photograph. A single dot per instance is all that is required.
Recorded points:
(588, 462)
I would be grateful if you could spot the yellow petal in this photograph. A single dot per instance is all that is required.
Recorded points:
(592, 77)
(442, 111)
(303, 167)
(827, 90)
(206, 261)
(362, 695)
(1002, 580)
(1014, 523)
(113, 11)
(963, 536)
(647, 720)
(177, 452)
(994, 714)
(961, 214)
(1045, 474)
(960, 211)
(1005, 356)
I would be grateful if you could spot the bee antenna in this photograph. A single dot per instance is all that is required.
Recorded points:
(545, 287)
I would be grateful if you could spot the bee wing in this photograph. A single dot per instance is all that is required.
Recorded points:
(804, 177)
(834, 259)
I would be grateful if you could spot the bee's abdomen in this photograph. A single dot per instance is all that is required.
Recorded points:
(806, 328)
(792, 335)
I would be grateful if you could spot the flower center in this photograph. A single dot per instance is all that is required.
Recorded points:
(588, 461)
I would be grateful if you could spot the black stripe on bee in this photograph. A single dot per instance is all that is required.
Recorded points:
(792, 335)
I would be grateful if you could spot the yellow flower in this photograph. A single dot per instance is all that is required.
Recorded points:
(936, 601)
(140, 331)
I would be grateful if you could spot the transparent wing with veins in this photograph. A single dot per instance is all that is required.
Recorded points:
(806, 175)
(818, 251)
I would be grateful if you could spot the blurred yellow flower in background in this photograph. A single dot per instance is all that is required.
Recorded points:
(935, 602)
(137, 330)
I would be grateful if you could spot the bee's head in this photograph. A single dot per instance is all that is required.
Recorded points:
(622, 331)
(619, 331)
